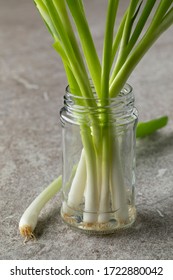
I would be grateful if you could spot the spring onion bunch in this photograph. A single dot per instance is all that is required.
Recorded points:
(141, 25)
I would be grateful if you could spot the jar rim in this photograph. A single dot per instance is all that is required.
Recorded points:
(126, 91)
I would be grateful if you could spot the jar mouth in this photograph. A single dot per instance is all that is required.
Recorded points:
(120, 106)
(126, 92)
(117, 109)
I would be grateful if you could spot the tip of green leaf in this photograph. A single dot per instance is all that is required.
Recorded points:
(146, 128)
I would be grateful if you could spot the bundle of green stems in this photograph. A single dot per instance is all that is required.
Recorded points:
(124, 44)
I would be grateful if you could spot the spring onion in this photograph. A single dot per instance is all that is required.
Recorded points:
(29, 219)
(141, 25)
(147, 128)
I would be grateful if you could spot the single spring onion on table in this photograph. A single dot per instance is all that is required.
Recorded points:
(29, 218)
(98, 181)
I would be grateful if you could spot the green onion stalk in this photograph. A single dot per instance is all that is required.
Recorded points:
(124, 46)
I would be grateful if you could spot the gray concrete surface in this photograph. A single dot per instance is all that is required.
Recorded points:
(32, 83)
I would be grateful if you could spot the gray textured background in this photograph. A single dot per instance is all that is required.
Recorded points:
(32, 83)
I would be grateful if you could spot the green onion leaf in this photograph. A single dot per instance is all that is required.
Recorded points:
(147, 128)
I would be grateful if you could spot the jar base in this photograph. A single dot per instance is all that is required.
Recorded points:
(113, 224)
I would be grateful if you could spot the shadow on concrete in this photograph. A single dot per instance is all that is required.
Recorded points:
(47, 222)
(156, 144)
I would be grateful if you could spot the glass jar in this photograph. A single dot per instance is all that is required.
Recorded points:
(98, 142)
